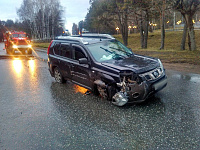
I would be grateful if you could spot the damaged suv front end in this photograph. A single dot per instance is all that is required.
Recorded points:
(136, 88)
(134, 78)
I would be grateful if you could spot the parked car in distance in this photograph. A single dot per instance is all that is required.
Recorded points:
(105, 66)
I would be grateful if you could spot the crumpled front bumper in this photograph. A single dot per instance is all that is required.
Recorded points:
(137, 93)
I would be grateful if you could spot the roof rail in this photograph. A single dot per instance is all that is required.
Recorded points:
(78, 39)
(95, 35)
(82, 36)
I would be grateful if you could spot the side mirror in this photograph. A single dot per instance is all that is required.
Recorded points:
(83, 61)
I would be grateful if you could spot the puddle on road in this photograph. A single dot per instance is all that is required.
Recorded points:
(189, 77)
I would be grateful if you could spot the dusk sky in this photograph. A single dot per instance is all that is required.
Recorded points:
(75, 10)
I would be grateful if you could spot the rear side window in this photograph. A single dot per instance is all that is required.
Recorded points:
(57, 48)
(65, 50)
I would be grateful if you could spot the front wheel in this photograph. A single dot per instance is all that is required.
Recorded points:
(111, 92)
(58, 76)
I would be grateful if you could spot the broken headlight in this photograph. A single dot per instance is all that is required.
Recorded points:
(161, 65)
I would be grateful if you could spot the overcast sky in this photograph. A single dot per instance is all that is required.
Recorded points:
(75, 10)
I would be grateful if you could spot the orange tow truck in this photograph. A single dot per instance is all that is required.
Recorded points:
(17, 41)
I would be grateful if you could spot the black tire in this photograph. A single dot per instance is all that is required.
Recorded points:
(58, 76)
(95, 91)
(111, 92)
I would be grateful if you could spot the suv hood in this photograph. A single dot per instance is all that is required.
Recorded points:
(136, 63)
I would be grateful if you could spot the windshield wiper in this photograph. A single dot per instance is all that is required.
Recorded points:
(128, 54)
(106, 50)
(115, 56)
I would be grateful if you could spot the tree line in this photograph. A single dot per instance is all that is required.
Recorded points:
(40, 19)
(43, 18)
(104, 15)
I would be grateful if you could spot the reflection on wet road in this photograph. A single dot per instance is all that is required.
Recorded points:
(37, 113)
(17, 64)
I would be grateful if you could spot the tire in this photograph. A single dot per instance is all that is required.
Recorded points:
(58, 76)
(111, 92)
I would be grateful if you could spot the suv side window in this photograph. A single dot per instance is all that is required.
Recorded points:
(65, 50)
(78, 53)
(56, 48)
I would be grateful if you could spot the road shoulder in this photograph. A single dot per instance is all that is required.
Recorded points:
(183, 67)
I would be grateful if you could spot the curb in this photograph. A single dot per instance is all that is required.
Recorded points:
(41, 59)
(43, 51)
(15, 56)
(40, 50)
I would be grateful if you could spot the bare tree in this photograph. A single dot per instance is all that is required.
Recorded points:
(163, 24)
(143, 12)
(188, 8)
(122, 9)
(44, 17)
(183, 41)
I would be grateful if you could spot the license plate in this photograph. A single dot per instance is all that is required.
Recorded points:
(160, 84)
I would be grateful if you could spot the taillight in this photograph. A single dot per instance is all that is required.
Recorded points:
(49, 48)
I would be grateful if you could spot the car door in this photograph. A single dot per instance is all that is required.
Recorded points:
(65, 60)
(81, 73)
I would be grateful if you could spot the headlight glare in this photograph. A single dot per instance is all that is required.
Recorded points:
(14, 46)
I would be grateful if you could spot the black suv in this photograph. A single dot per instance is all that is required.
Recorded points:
(105, 66)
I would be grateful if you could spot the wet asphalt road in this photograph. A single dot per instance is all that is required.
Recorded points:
(37, 113)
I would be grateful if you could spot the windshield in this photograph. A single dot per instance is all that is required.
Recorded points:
(19, 35)
(109, 50)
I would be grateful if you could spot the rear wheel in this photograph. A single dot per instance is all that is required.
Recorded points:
(58, 76)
